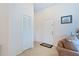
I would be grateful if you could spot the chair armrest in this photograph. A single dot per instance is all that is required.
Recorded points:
(66, 52)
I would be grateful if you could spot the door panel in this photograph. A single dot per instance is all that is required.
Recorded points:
(48, 31)
(27, 32)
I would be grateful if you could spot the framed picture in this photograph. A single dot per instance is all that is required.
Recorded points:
(66, 19)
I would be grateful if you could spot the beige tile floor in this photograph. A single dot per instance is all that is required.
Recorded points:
(39, 50)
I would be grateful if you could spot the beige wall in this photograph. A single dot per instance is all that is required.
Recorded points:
(11, 40)
(55, 12)
(4, 29)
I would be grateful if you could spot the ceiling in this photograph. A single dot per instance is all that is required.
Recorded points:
(40, 6)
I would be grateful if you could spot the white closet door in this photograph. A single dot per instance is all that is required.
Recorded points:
(27, 32)
(48, 31)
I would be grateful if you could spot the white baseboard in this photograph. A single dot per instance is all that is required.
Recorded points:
(19, 52)
(23, 51)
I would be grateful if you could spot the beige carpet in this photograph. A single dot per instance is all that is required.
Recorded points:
(39, 50)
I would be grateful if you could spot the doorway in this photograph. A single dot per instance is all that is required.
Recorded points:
(48, 31)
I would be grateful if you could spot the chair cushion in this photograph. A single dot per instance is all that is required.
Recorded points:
(60, 44)
(69, 45)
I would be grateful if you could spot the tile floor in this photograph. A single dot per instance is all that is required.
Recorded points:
(39, 50)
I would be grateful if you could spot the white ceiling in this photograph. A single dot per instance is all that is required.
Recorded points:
(40, 6)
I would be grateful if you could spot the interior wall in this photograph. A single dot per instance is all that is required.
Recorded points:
(55, 12)
(16, 13)
(11, 16)
(4, 31)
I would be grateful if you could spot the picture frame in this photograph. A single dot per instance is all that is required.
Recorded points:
(66, 19)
